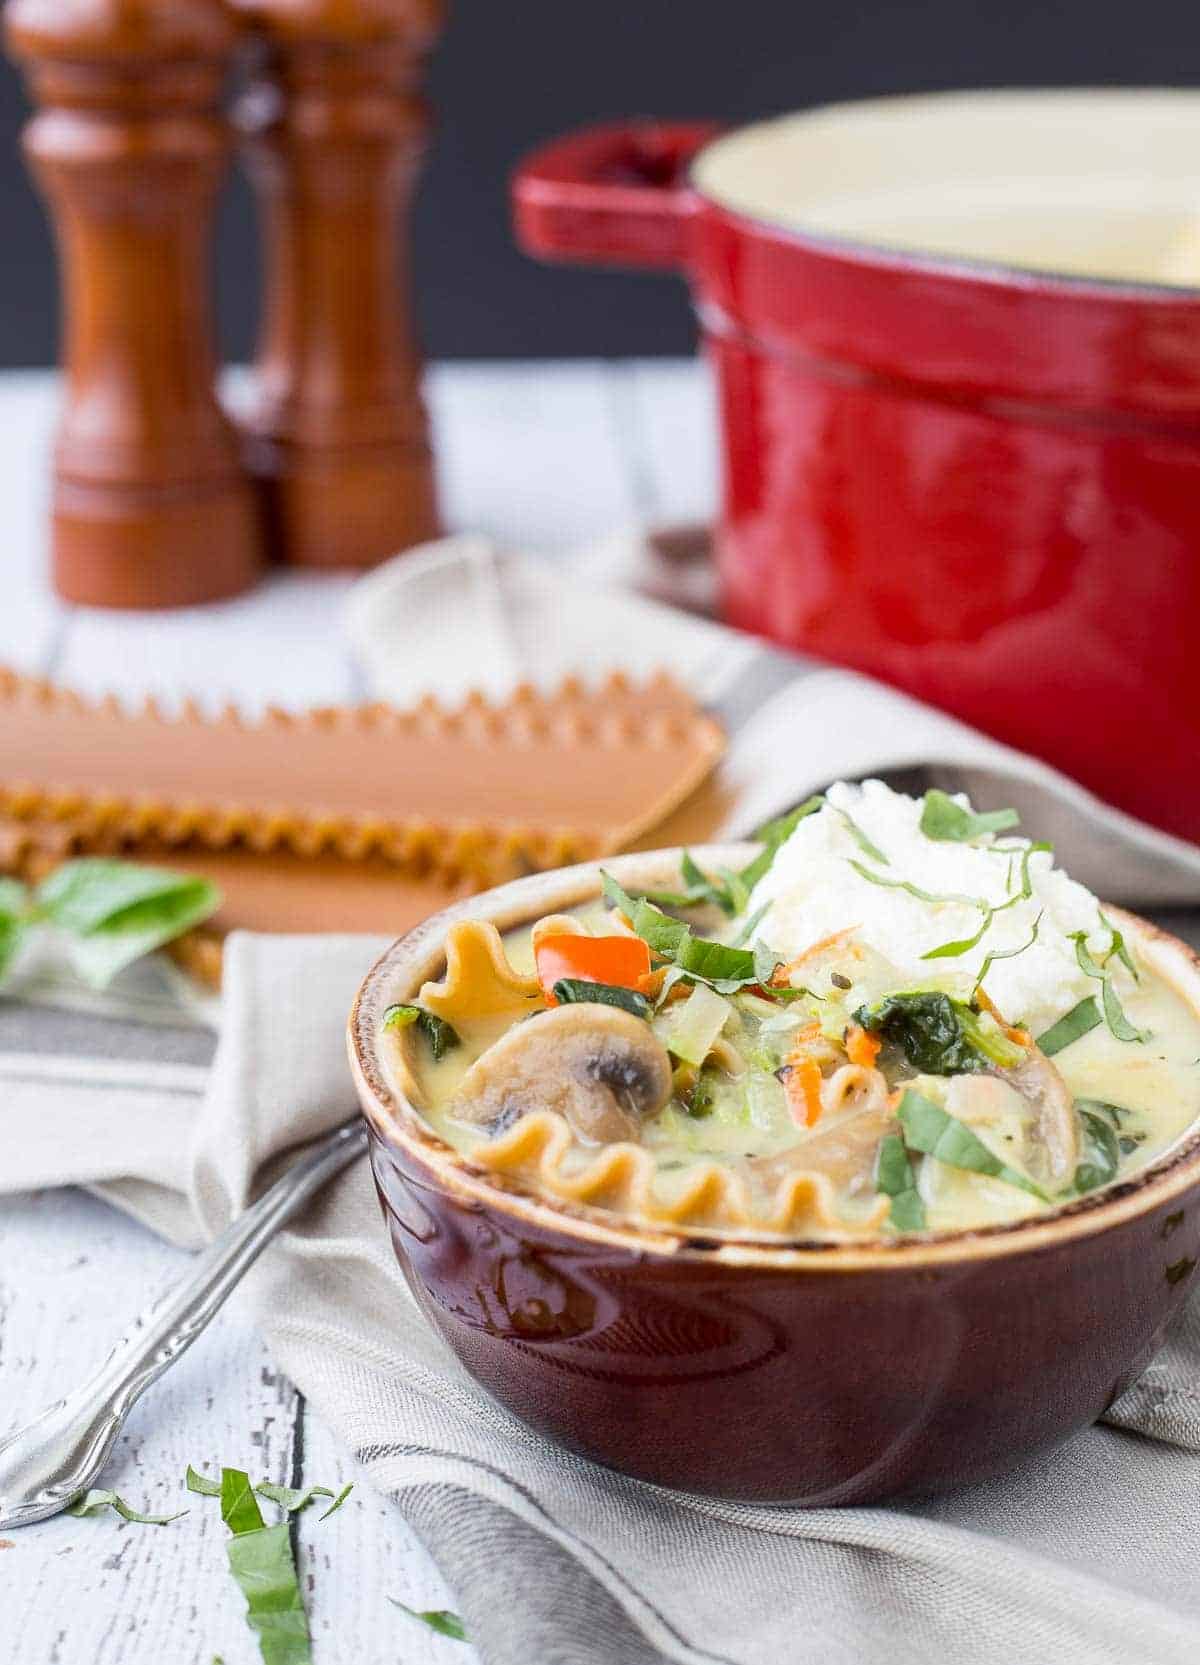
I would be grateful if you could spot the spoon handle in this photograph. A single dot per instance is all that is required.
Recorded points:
(44, 1466)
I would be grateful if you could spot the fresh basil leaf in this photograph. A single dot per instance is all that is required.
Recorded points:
(570, 991)
(1100, 1148)
(715, 960)
(115, 911)
(935, 1132)
(660, 932)
(1079, 1021)
(948, 822)
(750, 926)
(92, 1502)
(264, 1569)
(1114, 1013)
(861, 839)
(737, 892)
(1119, 947)
(14, 898)
(439, 1619)
(200, 1483)
(952, 950)
(338, 1501)
(773, 835)
(894, 1178)
(767, 962)
(915, 890)
(442, 1036)
(291, 1499)
(239, 1506)
(1008, 953)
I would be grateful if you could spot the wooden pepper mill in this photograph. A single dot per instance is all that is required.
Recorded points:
(151, 507)
(334, 130)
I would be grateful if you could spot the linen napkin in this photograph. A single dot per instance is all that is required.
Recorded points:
(1089, 1556)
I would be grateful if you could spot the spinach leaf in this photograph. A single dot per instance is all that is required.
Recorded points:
(935, 1132)
(439, 1619)
(946, 821)
(1079, 1021)
(1100, 1149)
(894, 1178)
(928, 1028)
(114, 912)
(441, 1035)
(91, 1503)
(570, 991)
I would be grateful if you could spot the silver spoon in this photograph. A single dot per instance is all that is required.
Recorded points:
(44, 1467)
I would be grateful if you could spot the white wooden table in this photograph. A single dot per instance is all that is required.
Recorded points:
(543, 457)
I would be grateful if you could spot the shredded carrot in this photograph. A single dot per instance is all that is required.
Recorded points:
(803, 1087)
(1022, 1037)
(862, 1047)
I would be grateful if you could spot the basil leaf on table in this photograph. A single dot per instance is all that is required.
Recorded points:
(264, 1568)
(946, 821)
(570, 991)
(92, 1502)
(439, 1619)
(114, 912)
(293, 1499)
(1072, 1026)
(201, 1484)
(935, 1132)
(894, 1178)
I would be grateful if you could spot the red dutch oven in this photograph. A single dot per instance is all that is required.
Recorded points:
(973, 478)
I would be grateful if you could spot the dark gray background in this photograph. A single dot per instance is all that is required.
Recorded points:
(507, 76)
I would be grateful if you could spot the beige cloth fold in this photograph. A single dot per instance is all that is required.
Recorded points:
(1089, 1556)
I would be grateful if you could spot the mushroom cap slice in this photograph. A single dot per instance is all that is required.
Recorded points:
(599, 1067)
(1055, 1132)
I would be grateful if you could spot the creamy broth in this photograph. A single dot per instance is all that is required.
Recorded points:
(853, 1098)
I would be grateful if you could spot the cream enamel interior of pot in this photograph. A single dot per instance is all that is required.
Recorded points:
(1099, 184)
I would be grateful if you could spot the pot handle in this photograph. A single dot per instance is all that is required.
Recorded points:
(612, 195)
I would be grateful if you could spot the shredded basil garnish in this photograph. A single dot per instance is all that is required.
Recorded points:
(946, 821)
(935, 1132)
(773, 835)
(914, 890)
(860, 837)
(1007, 953)
(441, 1035)
(1101, 1148)
(1079, 1021)
(1114, 1013)
(894, 1178)
(1118, 947)
(570, 991)
(728, 890)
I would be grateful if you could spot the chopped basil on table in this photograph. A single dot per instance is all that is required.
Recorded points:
(92, 1502)
(439, 1619)
(441, 1035)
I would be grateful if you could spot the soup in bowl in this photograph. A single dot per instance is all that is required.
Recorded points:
(875, 1140)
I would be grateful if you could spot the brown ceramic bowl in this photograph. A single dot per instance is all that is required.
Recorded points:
(802, 1373)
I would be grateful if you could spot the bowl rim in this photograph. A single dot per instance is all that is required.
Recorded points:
(419, 954)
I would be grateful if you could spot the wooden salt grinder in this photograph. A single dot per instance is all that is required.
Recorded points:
(151, 508)
(335, 129)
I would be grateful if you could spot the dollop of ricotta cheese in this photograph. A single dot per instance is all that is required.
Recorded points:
(825, 879)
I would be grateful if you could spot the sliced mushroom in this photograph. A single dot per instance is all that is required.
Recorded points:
(1033, 1097)
(601, 1068)
(845, 1149)
(1055, 1151)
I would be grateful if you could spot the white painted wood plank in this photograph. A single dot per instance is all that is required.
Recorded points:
(527, 453)
(30, 617)
(353, 1562)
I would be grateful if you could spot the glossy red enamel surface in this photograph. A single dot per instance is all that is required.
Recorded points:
(981, 486)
